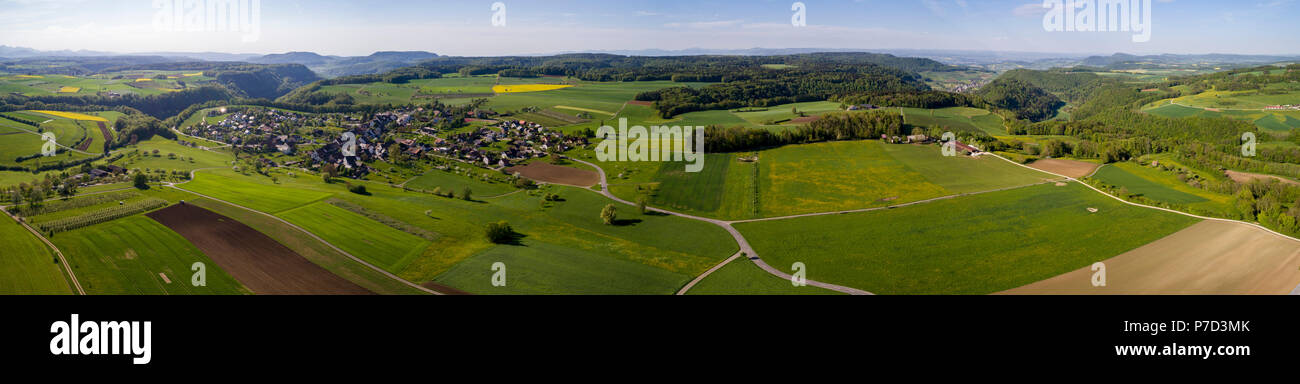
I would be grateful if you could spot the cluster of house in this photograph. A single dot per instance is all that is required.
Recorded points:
(255, 130)
(1282, 108)
(99, 173)
(960, 147)
(969, 86)
(522, 140)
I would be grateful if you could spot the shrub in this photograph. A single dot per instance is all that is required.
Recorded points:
(500, 232)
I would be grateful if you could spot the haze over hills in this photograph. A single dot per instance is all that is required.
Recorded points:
(325, 66)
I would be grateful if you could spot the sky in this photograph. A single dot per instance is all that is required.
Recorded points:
(466, 27)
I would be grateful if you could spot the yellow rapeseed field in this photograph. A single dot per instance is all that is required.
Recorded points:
(527, 88)
(69, 89)
(73, 116)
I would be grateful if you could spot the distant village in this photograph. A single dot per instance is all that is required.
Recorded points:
(415, 132)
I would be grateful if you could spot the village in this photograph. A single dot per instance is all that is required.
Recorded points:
(317, 140)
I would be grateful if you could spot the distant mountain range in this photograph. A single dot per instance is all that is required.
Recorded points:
(325, 66)
(1120, 60)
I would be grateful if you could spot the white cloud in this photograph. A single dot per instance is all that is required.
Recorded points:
(1030, 10)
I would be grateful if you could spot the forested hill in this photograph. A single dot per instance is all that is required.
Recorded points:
(267, 81)
(1073, 86)
(1027, 101)
(604, 67)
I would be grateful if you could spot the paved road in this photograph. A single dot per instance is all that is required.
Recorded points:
(745, 248)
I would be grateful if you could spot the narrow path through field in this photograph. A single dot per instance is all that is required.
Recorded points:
(313, 235)
(1257, 226)
(62, 261)
(745, 248)
(56, 143)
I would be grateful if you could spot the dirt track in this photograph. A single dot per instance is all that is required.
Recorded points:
(259, 262)
(1071, 168)
(554, 174)
(1244, 178)
(1212, 257)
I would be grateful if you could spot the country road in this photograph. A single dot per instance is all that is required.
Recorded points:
(62, 261)
(745, 248)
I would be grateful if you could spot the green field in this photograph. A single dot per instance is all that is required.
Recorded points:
(27, 266)
(679, 247)
(813, 178)
(1118, 175)
(450, 182)
(122, 83)
(973, 245)
(265, 198)
(127, 256)
(540, 268)
(378, 244)
(742, 277)
(312, 249)
(1165, 186)
(186, 159)
(1245, 106)
(956, 119)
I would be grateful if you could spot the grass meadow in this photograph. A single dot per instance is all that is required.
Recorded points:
(973, 245)
(129, 256)
(27, 267)
(743, 277)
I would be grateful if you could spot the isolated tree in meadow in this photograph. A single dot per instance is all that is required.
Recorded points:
(609, 215)
(499, 232)
(467, 194)
(640, 205)
(141, 181)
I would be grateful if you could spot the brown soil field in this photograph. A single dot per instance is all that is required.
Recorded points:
(1071, 168)
(642, 103)
(1242, 177)
(103, 129)
(554, 174)
(259, 262)
(805, 120)
(1209, 258)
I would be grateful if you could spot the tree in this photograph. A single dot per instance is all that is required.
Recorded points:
(395, 154)
(500, 232)
(640, 205)
(467, 194)
(68, 189)
(609, 215)
(141, 181)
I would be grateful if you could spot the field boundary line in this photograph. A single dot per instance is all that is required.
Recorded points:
(735, 234)
(885, 208)
(56, 143)
(76, 284)
(1257, 226)
(708, 272)
(318, 238)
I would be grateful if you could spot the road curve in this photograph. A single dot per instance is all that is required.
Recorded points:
(745, 248)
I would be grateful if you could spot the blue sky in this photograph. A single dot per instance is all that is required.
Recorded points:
(540, 26)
